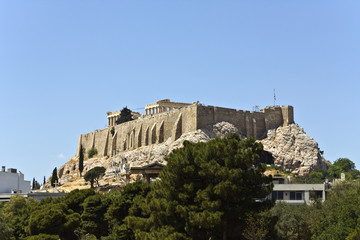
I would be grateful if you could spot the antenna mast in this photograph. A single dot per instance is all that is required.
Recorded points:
(274, 98)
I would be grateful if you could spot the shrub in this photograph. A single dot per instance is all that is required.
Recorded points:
(92, 152)
(43, 237)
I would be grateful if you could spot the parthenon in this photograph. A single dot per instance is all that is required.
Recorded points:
(163, 106)
(150, 109)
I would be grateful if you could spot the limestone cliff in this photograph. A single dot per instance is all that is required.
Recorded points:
(293, 150)
(289, 146)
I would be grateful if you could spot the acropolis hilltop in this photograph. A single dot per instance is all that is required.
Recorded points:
(165, 119)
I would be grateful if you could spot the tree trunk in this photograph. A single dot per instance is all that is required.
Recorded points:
(224, 235)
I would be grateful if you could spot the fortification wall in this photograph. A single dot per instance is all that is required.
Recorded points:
(255, 124)
(157, 128)
(288, 115)
(145, 131)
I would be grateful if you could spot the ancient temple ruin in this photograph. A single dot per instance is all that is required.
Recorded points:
(163, 106)
(114, 116)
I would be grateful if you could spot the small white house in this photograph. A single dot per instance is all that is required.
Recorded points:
(12, 181)
(296, 194)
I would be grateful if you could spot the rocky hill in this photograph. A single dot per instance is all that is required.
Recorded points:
(289, 147)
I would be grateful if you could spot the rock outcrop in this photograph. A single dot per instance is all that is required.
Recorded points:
(289, 146)
(293, 150)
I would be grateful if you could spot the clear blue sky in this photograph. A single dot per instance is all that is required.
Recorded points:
(63, 64)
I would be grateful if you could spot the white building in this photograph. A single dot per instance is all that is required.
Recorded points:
(296, 194)
(12, 181)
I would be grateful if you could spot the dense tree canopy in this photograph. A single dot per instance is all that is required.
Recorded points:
(17, 212)
(53, 219)
(338, 217)
(343, 165)
(205, 192)
(124, 200)
(5, 231)
(213, 190)
(291, 221)
(93, 216)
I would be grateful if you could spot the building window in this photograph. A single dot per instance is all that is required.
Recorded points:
(296, 196)
(277, 195)
(299, 195)
(316, 195)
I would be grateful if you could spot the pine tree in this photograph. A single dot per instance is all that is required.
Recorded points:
(44, 181)
(54, 177)
(94, 174)
(33, 184)
(206, 191)
(81, 159)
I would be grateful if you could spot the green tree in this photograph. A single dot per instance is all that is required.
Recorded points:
(94, 174)
(53, 218)
(49, 220)
(43, 237)
(125, 116)
(17, 213)
(317, 176)
(93, 216)
(5, 231)
(206, 191)
(54, 177)
(74, 200)
(81, 159)
(35, 184)
(121, 203)
(291, 222)
(343, 165)
(258, 226)
(338, 217)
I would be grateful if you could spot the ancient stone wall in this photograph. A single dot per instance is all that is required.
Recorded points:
(248, 123)
(157, 128)
(141, 132)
